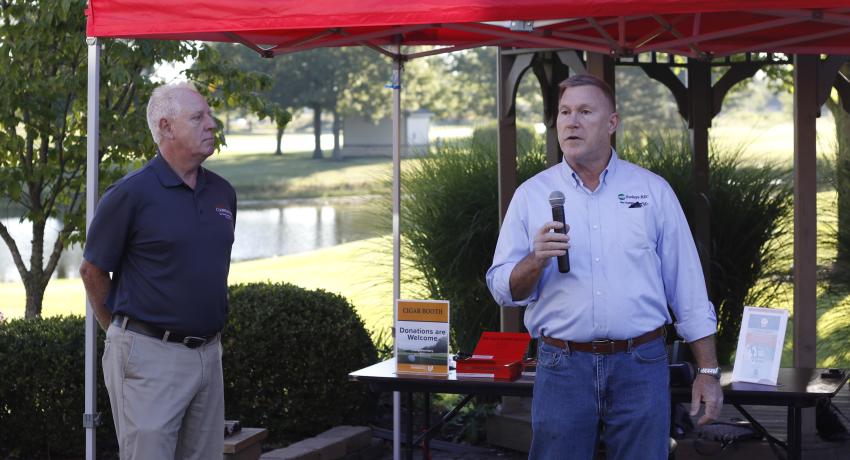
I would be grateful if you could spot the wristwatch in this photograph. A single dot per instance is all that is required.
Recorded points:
(712, 371)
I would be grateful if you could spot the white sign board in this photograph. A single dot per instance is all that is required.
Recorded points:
(760, 345)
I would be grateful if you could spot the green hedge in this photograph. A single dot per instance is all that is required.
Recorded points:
(486, 137)
(749, 209)
(450, 225)
(42, 389)
(450, 222)
(287, 353)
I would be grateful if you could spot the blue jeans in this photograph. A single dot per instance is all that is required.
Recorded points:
(624, 397)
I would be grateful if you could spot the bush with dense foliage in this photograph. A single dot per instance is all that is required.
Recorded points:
(486, 137)
(450, 226)
(287, 355)
(42, 389)
(748, 210)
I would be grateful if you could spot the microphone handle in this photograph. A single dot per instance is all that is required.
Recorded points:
(564, 260)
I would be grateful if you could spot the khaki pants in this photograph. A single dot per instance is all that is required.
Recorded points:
(167, 400)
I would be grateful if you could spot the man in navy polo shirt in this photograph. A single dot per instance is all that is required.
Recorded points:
(165, 232)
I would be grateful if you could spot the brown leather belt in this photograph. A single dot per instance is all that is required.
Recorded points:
(605, 347)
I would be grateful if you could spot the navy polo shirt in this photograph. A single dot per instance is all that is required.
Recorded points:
(167, 246)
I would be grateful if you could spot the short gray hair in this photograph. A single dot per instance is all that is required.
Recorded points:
(161, 105)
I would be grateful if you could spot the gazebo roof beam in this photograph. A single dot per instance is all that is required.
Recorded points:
(651, 35)
(381, 50)
(621, 31)
(526, 36)
(354, 38)
(305, 40)
(697, 24)
(535, 24)
(833, 16)
(771, 24)
(579, 37)
(603, 23)
(240, 39)
(776, 45)
(672, 30)
(452, 49)
(604, 34)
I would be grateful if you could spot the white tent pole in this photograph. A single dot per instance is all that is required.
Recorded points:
(396, 86)
(91, 418)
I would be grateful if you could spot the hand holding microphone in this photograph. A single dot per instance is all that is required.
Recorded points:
(556, 200)
(548, 244)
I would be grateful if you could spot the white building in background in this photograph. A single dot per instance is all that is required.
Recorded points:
(363, 138)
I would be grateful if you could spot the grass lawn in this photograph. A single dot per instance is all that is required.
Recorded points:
(766, 138)
(298, 175)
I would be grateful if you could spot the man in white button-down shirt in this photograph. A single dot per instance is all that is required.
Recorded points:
(602, 363)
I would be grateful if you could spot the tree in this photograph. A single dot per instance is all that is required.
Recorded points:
(246, 59)
(344, 81)
(43, 120)
(473, 87)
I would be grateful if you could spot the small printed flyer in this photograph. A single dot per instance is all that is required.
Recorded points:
(422, 337)
(760, 345)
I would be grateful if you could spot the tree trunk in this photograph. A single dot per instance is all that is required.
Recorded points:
(35, 297)
(32, 279)
(317, 132)
(279, 139)
(337, 155)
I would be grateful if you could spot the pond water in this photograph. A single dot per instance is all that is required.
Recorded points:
(262, 230)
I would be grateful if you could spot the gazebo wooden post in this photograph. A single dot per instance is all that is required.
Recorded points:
(700, 99)
(550, 72)
(806, 111)
(510, 68)
(603, 67)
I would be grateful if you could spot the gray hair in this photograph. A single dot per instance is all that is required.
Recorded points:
(161, 105)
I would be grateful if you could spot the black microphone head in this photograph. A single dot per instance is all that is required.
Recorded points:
(556, 198)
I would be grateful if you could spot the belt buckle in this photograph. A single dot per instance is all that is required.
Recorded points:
(193, 342)
(596, 346)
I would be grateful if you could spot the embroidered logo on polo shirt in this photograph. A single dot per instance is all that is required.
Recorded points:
(633, 200)
(224, 212)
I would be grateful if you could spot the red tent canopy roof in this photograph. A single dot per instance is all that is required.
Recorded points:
(692, 28)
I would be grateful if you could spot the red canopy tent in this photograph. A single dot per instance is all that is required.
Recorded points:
(623, 26)
(698, 29)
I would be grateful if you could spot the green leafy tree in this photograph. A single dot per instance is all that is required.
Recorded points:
(281, 91)
(473, 87)
(43, 83)
(343, 81)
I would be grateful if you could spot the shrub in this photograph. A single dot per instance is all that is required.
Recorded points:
(450, 224)
(42, 390)
(486, 137)
(748, 207)
(287, 355)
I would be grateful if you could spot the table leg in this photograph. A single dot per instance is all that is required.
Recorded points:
(795, 433)
(408, 427)
(426, 442)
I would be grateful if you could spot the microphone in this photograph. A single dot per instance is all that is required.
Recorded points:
(556, 199)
